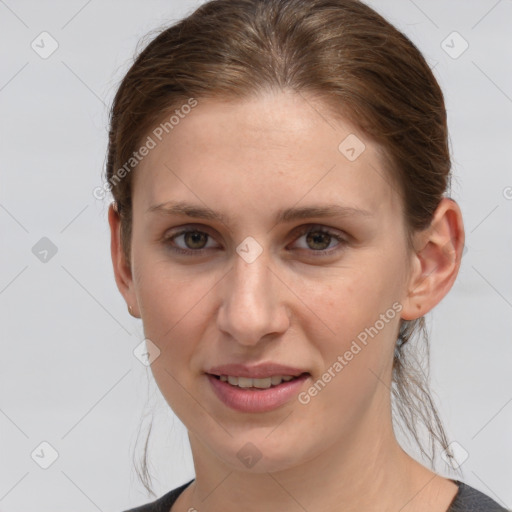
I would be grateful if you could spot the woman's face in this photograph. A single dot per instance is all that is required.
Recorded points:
(302, 263)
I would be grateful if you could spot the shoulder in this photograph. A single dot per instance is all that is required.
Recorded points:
(469, 499)
(162, 504)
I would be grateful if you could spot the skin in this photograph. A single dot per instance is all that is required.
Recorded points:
(248, 159)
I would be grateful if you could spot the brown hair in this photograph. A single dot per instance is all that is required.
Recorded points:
(340, 51)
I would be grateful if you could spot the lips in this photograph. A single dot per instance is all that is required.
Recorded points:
(260, 371)
(257, 388)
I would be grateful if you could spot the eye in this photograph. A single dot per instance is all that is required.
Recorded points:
(320, 240)
(194, 241)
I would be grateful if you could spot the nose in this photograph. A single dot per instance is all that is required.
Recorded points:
(252, 302)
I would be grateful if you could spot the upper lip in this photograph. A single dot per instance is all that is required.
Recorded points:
(259, 371)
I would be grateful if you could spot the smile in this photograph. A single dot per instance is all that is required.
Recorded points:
(256, 395)
(245, 382)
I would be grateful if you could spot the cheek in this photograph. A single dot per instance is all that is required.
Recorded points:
(356, 356)
(173, 308)
(174, 311)
(167, 293)
(353, 330)
(348, 301)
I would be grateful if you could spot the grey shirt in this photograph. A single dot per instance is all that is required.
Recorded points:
(467, 499)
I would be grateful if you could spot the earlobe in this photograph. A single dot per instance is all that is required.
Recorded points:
(436, 262)
(122, 269)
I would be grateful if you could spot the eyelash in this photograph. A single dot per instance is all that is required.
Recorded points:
(307, 229)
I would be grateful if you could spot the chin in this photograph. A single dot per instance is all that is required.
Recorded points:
(255, 454)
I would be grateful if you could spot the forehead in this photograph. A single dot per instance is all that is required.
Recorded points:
(263, 153)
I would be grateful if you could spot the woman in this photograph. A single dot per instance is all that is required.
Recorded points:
(280, 225)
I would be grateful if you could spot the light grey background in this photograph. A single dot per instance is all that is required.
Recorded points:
(68, 375)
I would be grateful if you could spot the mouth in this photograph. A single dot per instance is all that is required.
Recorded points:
(257, 384)
(256, 395)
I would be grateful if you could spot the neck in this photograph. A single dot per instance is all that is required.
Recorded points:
(366, 470)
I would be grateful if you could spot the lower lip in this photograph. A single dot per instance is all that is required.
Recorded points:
(254, 399)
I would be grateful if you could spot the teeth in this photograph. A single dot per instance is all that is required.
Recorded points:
(275, 380)
(244, 382)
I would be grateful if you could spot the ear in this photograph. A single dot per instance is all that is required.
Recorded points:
(122, 268)
(436, 260)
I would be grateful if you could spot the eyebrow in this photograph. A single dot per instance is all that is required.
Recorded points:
(182, 208)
